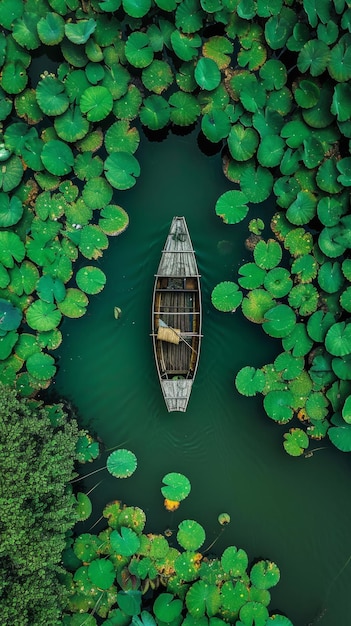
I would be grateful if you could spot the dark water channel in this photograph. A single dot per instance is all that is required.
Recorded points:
(295, 512)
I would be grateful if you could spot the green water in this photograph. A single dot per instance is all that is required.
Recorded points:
(294, 511)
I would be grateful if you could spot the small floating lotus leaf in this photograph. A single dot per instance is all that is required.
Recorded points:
(207, 74)
(167, 608)
(92, 241)
(215, 125)
(288, 365)
(138, 50)
(121, 138)
(96, 103)
(136, 8)
(328, 242)
(155, 112)
(341, 367)
(303, 209)
(218, 48)
(51, 96)
(71, 125)
(278, 28)
(278, 406)
(242, 142)
(43, 316)
(202, 599)
(74, 303)
(251, 276)
(278, 620)
(125, 542)
(265, 574)
(234, 561)
(278, 282)
(127, 107)
(304, 298)
(177, 486)
(121, 463)
(253, 613)
(185, 46)
(50, 289)
(296, 441)
(330, 277)
(256, 304)
(26, 345)
(14, 77)
(329, 211)
(313, 57)
(11, 173)
(279, 321)
(157, 76)
(50, 339)
(97, 193)
(121, 169)
(321, 371)
(226, 296)
(256, 183)
(187, 566)
(86, 547)
(84, 506)
(267, 254)
(101, 573)
(231, 206)
(249, 381)
(224, 519)
(113, 220)
(111, 511)
(339, 66)
(7, 342)
(298, 242)
(41, 366)
(51, 29)
(298, 341)
(129, 602)
(90, 279)
(317, 406)
(80, 31)
(10, 316)
(87, 166)
(320, 116)
(10, 11)
(190, 535)
(340, 436)
(57, 157)
(234, 596)
(270, 151)
(184, 108)
(338, 339)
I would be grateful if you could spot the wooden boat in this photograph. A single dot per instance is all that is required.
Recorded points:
(177, 317)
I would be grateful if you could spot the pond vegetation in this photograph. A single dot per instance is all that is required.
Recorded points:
(269, 83)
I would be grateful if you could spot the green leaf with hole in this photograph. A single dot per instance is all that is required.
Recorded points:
(125, 541)
(231, 206)
(249, 381)
(96, 103)
(121, 170)
(176, 486)
(279, 321)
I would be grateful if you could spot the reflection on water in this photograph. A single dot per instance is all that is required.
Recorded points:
(293, 511)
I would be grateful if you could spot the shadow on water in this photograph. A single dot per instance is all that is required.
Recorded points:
(293, 511)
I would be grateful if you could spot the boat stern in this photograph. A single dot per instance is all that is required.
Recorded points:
(176, 393)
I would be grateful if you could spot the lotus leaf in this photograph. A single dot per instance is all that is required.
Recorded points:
(57, 157)
(278, 406)
(74, 303)
(256, 183)
(340, 436)
(146, 619)
(51, 29)
(215, 125)
(339, 62)
(207, 73)
(321, 371)
(298, 341)
(303, 209)
(306, 268)
(330, 277)
(338, 339)
(121, 138)
(96, 103)
(11, 210)
(279, 321)
(87, 166)
(233, 597)
(71, 125)
(41, 366)
(50, 289)
(289, 366)
(90, 279)
(10, 10)
(83, 619)
(253, 613)
(344, 167)
(121, 169)
(5, 110)
(190, 535)
(51, 96)
(167, 608)
(13, 77)
(4, 277)
(187, 566)
(256, 304)
(125, 542)
(189, 16)
(313, 56)
(155, 112)
(278, 28)
(127, 107)
(7, 342)
(278, 282)
(11, 173)
(86, 547)
(202, 599)
(176, 486)
(298, 242)
(329, 211)
(97, 193)
(226, 296)
(231, 206)
(185, 46)
(249, 381)
(84, 506)
(317, 406)
(242, 142)
(79, 32)
(133, 517)
(42, 316)
(26, 346)
(121, 463)
(264, 574)
(138, 50)
(268, 254)
(296, 441)
(91, 241)
(219, 49)
(184, 108)
(50, 339)
(251, 276)
(234, 561)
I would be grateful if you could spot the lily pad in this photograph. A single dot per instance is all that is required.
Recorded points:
(265, 574)
(43, 316)
(177, 486)
(84, 506)
(226, 296)
(234, 561)
(96, 103)
(41, 366)
(101, 573)
(113, 220)
(90, 279)
(121, 463)
(190, 535)
(121, 170)
(249, 381)
(167, 608)
(278, 406)
(125, 542)
(231, 206)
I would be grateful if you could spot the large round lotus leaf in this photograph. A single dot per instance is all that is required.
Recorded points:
(330, 277)
(86, 547)
(11, 173)
(7, 342)
(121, 463)
(279, 321)
(303, 209)
(136, 8)
(71, 125)
(342, 367)
(265, 574)
(113, 220)
(231, 206)
(338, 339)
(84, 506)
(215, 125)
(121, 138)
(57, 157)
(51, 96)
(242, 142)
(138, 50)
(327, 177)
(14, 78)
(253, 613)
(185, 46)
(234, 561)
(256, 304)
(97, 193)
(278, 282)
(167, 608)
(184, 108)
(339, 65)
(298, 242)
(313, 57)
(298, 341)
(121, 169)
(187, 566)
(133, 517)
(207, 74)
(306, 268)
(202, 599)
(51, 29)
(96, 103)
(157, 76)
(155, 112)
(329, 211)
(50, 289)
(270, 151)
(11, 210)
(102, 573)
(41, 366)
(340, 436)
(249, 381)
(256, 183)
(80, 31)
(127, 107)
(86, 166)
(190, 535)
(277, 405)
(267, 254)
(217, 47)
(289, 366)
(296, 441)
(10, 316)
(90, 279)
(43, 316)
(251, 276)
(74, 303)
(304, 299)
(319, 324)
(177, 486)
(226, 296)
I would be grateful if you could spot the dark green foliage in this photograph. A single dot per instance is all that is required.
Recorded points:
(37, 509)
